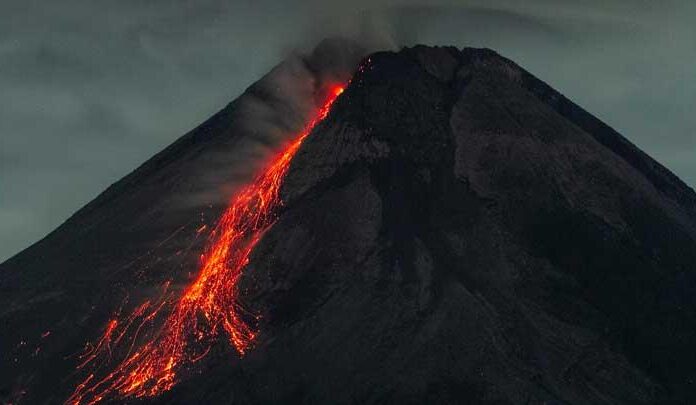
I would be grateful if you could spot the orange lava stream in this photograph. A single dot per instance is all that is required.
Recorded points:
(207, 307)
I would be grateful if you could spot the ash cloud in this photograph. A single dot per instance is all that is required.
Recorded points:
(271, 112)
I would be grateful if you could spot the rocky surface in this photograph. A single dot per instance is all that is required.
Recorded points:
(454, 232)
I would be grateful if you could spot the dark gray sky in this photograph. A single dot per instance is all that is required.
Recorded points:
(89, 89)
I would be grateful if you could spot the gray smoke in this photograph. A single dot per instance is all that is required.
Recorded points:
(270, 113)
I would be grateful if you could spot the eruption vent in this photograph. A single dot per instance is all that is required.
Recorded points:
(207, 308)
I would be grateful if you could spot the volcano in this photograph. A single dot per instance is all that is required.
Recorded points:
(440, 226)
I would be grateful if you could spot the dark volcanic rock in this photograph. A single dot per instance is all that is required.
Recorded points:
(454, 232)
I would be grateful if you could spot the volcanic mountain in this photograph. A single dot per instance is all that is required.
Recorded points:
(448, 229)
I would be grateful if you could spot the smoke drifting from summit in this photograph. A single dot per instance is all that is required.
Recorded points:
(274, 109)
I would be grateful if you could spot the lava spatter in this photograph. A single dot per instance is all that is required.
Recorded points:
(207, 308)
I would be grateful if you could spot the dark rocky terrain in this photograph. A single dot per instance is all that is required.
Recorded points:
(455, 231)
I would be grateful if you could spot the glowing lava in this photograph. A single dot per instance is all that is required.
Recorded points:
(207, 307)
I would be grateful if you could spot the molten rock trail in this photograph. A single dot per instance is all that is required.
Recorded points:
(209, 307)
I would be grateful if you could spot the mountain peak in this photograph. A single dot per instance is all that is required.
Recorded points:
(454, 230)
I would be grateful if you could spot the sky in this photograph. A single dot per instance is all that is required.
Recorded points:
(90, 89)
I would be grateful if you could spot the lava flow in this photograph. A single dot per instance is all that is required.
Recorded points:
(207, 307)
